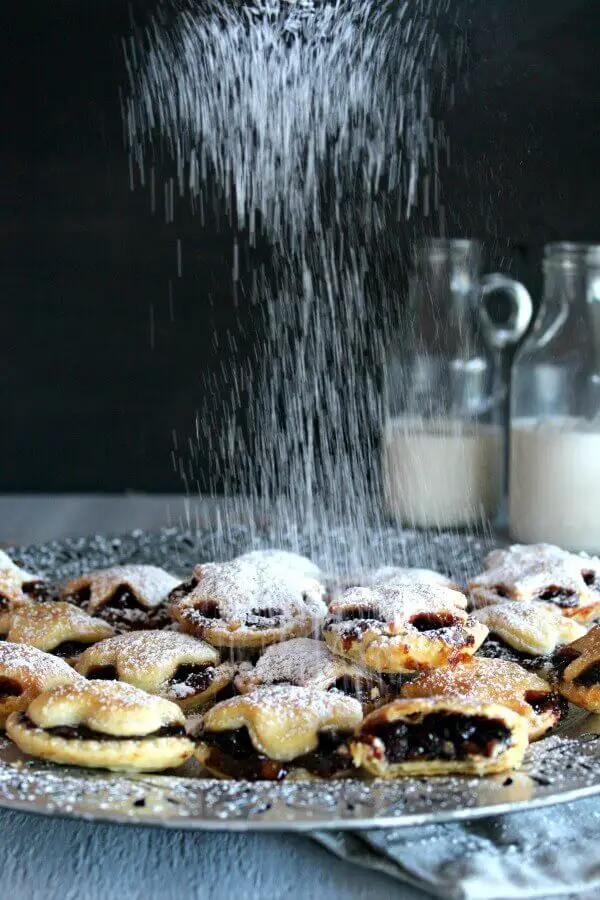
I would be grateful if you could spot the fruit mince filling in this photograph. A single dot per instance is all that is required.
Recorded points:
(103, 673)
(189, 680)
(182, 590)
(83, 733)
(589, 677)
(359, 618)
(69, 648)
(232, 753)
(440, 736)
(365, 690)
(547, 702)
(9, 688)
(123, 604)
(563, 658)
(37, 590)
(434, 621)
(560, 596)
(264, 618)
(495, 648)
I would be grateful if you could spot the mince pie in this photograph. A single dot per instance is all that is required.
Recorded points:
(309, 663)
(176, 666)
(105, 725)
(293, 562)
(248, 603)
(26, 672)
(402, 629)
(275, 731)
(392, 575)
(440, 736)
(130, 598)
(543, 574)
(577, 671)
(526, 633)
(495, 681)
(58, 628)
(17, 588)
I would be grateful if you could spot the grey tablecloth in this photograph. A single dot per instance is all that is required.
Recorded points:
(552, 852)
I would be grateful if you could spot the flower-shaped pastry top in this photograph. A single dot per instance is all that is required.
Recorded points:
(309, 663)
(402, 629)
(129, 598)
(439, 736)
(26, 672)
(264, 734)
(577, 670)
(390, 576)
(529, 628)
(247, 603)
(494, 681)
(17, 588)
(176, 666)
(543, 574)
(58, 628)
(293, 562)
(102, 724)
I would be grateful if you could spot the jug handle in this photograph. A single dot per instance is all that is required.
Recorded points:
(510, 332)
(501, 337)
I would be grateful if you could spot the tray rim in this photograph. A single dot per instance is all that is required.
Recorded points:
(88, 808)
(304, 826)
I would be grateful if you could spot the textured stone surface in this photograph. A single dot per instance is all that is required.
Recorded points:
(53, 859)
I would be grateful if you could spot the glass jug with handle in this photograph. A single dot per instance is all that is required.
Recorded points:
(554, 493)
(445, 394)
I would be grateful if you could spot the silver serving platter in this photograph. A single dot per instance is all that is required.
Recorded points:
(562, 767)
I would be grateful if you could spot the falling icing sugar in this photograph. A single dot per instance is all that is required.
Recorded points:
(313, 123)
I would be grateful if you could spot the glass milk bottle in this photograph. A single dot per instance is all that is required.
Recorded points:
(443, 441)
(555, 408)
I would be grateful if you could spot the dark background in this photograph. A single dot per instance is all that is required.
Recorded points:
(103, 347)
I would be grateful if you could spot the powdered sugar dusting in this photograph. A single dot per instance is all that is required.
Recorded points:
(140, 651)
(529, 627)
(392, 575)
(12, 579)
(294, 562)
(33, 663)
(101, 706)
(149, 584)
(491, 680)
(398, 603)
(524, 571)
(41, 623)
(297, 661)
(242, 586)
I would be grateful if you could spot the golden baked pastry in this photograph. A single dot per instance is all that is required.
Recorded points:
(577, 670)
(248, 603)
(129, 598)
(271, 732)
(58, 628)
(26, 672)
(293, 562)
(440, 736)
(176, 666)
(403, 629)
(543, 574)
(103, 725)
(309, 663)
(393, 575)
(526, 633)
(17, 588)
(495, 681)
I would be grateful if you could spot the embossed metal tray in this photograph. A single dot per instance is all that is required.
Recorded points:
(562, 767)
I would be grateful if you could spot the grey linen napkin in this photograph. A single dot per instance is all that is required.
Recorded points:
(551, 852)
